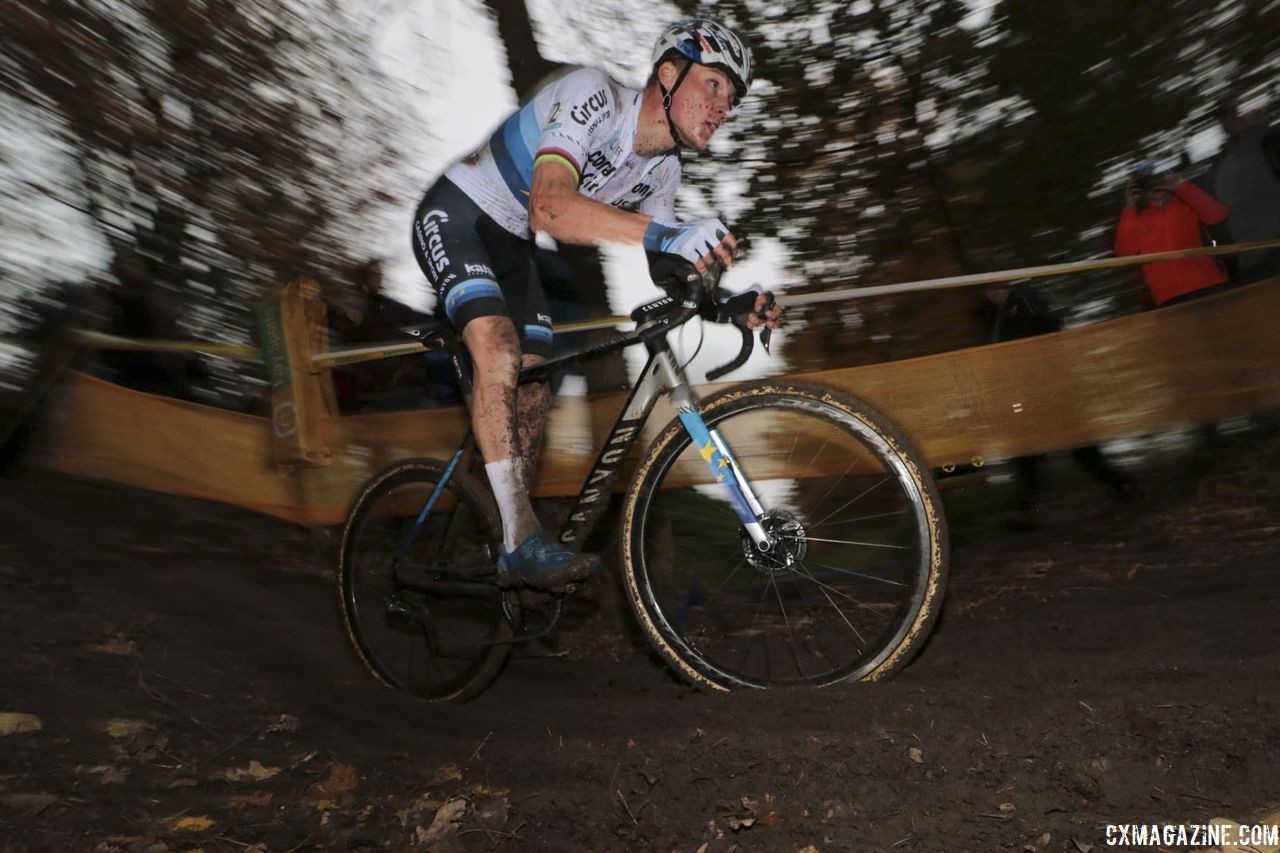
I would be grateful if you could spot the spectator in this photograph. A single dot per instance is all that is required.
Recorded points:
(1011, 314)
(402, 382)
(1245, 177)
(143, 311)
(372, 316)
(1163, 213)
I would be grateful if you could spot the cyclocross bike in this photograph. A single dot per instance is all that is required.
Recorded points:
(774, 534)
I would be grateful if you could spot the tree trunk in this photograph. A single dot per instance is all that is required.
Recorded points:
(587, 287)
(523, 57)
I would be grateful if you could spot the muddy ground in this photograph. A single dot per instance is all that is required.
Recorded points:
(175, 676)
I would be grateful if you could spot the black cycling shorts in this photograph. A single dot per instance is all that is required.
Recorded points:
(478, 268)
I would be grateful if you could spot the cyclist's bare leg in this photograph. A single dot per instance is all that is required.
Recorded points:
(495, 356)
(533, 405)
(495, 404)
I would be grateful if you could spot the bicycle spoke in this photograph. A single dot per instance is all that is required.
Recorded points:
(424, 623)
(823, 588)
(837, 481)
(852, 573)
(856, 519)
(858, 542)
(795, 442)
(820, 649)
(847, 525)
(730, 520)
(782, 608)
(853, 500)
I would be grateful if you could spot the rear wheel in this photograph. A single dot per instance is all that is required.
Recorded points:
(418, 597)
(855, 576)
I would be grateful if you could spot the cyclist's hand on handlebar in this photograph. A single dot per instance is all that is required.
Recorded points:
(701, 242)
(767, 313)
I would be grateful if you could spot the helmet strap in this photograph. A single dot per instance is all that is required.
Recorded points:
(666, 103)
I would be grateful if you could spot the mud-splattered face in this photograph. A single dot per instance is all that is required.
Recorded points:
(702, 104)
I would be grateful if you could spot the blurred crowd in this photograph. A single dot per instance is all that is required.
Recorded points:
(1235, 200)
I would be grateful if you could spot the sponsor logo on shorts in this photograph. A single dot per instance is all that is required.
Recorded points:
(480, 269)
(430, 241)
(545, 319)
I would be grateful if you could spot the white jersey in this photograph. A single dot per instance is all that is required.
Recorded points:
(588, 123)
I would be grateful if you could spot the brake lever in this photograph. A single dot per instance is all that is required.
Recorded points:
(766, 333)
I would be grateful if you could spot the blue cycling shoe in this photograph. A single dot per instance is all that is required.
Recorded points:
(544, 565)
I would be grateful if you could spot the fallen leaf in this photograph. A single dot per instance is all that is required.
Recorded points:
(478, 789)
(772, 819)
(112, 776)
(12, 723)
(916, 755)
(1081, 846)
(446, 821)
(133, 840)
(1005, 808)
(28, 802)
(286, 723)
(1043, 840)
(450, 772)
(117, 645)
(255, 771)
(125, 728)
(739, 823)
(422, 805)
(341, 781)
(253, 798)
(492, 813)
(193, 823)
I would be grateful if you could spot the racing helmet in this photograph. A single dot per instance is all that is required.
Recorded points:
(707, 43)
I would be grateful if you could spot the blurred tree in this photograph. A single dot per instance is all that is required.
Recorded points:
(892, 141)
(583, 287)
(231, 145)
(235, 143)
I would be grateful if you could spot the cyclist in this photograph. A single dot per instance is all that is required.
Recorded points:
(584, 161)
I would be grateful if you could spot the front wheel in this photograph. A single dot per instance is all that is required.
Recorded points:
(855, 574)
(417, 592)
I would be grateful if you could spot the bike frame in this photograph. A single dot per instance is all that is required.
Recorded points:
(662, 374)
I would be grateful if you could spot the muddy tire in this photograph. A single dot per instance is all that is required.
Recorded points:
(416, 608)
(856, 575)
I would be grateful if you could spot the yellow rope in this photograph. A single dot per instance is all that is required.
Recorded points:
(391, 350)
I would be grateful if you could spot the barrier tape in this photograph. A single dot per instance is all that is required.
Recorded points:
(817, 297)
(391, 350)
(102, 340)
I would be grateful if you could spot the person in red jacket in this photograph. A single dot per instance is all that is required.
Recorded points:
(1163, 213)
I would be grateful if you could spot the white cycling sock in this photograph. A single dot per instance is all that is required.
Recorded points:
(506, 478)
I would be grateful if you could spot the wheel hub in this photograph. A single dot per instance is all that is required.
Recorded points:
(789, 543)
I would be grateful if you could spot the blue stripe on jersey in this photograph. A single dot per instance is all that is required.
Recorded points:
(538, 333)
(513, 145)
(465, 291)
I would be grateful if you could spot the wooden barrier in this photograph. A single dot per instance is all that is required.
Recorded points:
(1208, 359)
